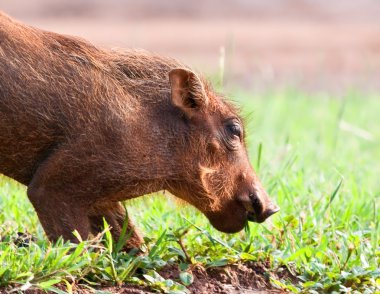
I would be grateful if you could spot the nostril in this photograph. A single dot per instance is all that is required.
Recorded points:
(256, 203)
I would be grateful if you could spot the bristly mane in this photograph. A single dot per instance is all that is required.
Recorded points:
(143, 72)
(138, 64)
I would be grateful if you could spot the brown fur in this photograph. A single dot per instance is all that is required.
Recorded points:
(85, 128)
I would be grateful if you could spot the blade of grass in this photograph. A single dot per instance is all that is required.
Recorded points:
(333, 195)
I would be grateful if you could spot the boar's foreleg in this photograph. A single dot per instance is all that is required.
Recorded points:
(58, 216)
(67, 195)
(53, 193)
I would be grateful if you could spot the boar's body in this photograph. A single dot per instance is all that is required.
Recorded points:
(84, 128)
(57, 91)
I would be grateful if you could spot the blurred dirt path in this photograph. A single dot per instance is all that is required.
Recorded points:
(297, 42)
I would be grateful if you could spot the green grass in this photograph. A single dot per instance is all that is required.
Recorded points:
(317, 155)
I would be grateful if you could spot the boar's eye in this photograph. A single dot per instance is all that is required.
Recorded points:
(234, 129)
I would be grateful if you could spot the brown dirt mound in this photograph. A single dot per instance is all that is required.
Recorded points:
(126, 289)
(248, 277)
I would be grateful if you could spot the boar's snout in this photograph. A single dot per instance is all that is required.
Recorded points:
(258, 205)
(259, 215)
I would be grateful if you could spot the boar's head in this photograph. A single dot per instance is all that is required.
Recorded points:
(217, 176)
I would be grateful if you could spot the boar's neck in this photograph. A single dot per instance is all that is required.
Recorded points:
(155, 126)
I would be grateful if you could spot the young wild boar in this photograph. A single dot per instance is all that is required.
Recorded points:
(84, 128)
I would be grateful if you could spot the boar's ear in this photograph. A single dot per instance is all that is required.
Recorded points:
(187, 91)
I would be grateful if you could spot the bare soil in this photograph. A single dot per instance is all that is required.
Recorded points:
(249, 277)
